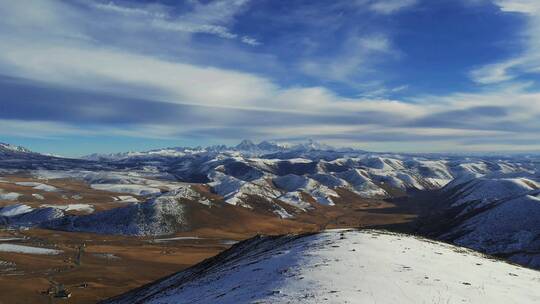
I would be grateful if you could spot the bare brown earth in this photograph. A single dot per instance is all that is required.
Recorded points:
(112, 265)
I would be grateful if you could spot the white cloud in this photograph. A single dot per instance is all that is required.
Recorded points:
(496, 72)
(390, 6)
(176, 26)
(529, 60)
(83, 64)
(155, 11)
(212, 18)
(216, 12)
(122, 72)
(381, 91)
(250, 41)
(386, 7)
(356, 57)
(519, 6)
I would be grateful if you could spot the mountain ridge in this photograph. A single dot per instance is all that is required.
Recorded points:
(342, 266)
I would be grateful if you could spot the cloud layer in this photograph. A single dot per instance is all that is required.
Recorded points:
(196, 71)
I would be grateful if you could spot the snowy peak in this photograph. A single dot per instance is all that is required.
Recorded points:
(8, 148)
(343, 266)
(312, 145)
(267, 146)
(246, 145)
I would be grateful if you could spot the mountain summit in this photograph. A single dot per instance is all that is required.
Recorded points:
(246, 145)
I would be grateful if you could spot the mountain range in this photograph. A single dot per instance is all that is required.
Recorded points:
(487, 203)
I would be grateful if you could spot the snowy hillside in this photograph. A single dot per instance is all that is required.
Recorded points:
(21, 215)
(14, 157)
(343, 267)
(162, 215)
(7, 148)
(497, 214)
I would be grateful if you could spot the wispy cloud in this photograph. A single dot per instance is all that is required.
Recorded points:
(519, 6)
(496, 72)
(213, 18)
(355, 57)
(154, 11)
(250, 41)
(529, 59)
(389, 6)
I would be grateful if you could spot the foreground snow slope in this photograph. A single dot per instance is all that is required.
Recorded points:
(344, 267)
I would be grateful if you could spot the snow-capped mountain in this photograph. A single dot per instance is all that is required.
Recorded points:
(7, 149)
(351, 266)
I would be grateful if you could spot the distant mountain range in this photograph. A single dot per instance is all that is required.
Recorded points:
(246, 147)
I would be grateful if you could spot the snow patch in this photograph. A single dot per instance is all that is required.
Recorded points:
(38, 196)
(14, 210)
(9, 196)
(38, 186)
(28, 249)
(126, 199)
(127, 188)
(72, 207)
(178, 238)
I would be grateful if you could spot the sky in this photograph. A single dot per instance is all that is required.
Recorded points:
(85, 76)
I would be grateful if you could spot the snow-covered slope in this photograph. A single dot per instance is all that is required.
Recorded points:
(162, 215)
(509, 228)
(489, 188)
(343, 267)
(497, 214)
(21, 215)
(7, 148)
(321, 193)
(14, 157)
(13, 210)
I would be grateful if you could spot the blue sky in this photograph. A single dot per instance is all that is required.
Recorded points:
(388, 75)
